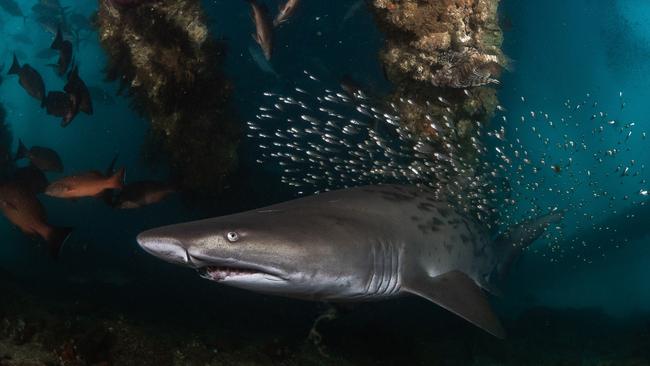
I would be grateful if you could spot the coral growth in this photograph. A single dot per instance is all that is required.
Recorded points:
(162, 52)
(450, 43)
(444, 59)
(444, 56)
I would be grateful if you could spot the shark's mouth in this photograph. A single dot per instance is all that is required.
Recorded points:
(221, 273)
(238, 274)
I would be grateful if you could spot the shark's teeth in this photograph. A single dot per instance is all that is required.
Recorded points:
(221, 273)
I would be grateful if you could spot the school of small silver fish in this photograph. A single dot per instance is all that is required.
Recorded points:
(323, 139)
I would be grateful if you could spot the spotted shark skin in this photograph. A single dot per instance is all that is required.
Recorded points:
(358, 244)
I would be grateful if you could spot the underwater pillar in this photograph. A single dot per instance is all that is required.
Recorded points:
(165, 59)
(445, 56)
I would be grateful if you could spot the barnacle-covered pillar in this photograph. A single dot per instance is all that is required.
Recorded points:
(444, 58)
(162, 52)
(442, 48)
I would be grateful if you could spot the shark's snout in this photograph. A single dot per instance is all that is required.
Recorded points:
(165, 248)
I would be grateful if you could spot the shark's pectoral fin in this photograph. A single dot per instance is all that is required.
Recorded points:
(458, 293)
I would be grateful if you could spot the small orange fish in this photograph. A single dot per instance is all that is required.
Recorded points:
(91, 184)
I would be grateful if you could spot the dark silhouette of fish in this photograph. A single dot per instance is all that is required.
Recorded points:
(43, 158)
(53, 23)
(61, 104)
(23, 209)
(143, 193)
(32, 178)
(51, 15)
(12, 8)
(78, 88)
(29, 79)
(65, 53)
(263, 28)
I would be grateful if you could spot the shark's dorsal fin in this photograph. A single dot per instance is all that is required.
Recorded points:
(458, 293)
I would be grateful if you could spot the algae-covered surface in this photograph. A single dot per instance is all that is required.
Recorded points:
(442, 49)
(165, 58)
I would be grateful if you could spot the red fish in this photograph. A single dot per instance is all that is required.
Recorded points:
(23, 209)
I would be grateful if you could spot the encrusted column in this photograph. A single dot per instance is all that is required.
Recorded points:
(162, 52)
(447, 53)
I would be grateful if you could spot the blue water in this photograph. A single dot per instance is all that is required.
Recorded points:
(564, 51)
(579, 50)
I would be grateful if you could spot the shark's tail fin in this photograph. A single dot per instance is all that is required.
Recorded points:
(518, 237)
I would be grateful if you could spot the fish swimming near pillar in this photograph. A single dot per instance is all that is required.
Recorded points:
(357, 244)
(29, 79)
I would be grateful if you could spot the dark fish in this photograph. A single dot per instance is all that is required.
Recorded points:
(78, 88)
(65, 52)
(43, 158)
(140, 194)
(32, 178)
(12, 8)
(48, 9)
(61, 104)
(285, 12)
(90, 184)
(23, 209)
(29, 79)
(263, 28)
(53, 23)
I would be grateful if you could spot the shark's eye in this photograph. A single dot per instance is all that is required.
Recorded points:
(232, 236)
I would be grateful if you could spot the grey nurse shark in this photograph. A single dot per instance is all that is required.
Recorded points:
(358, 244)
